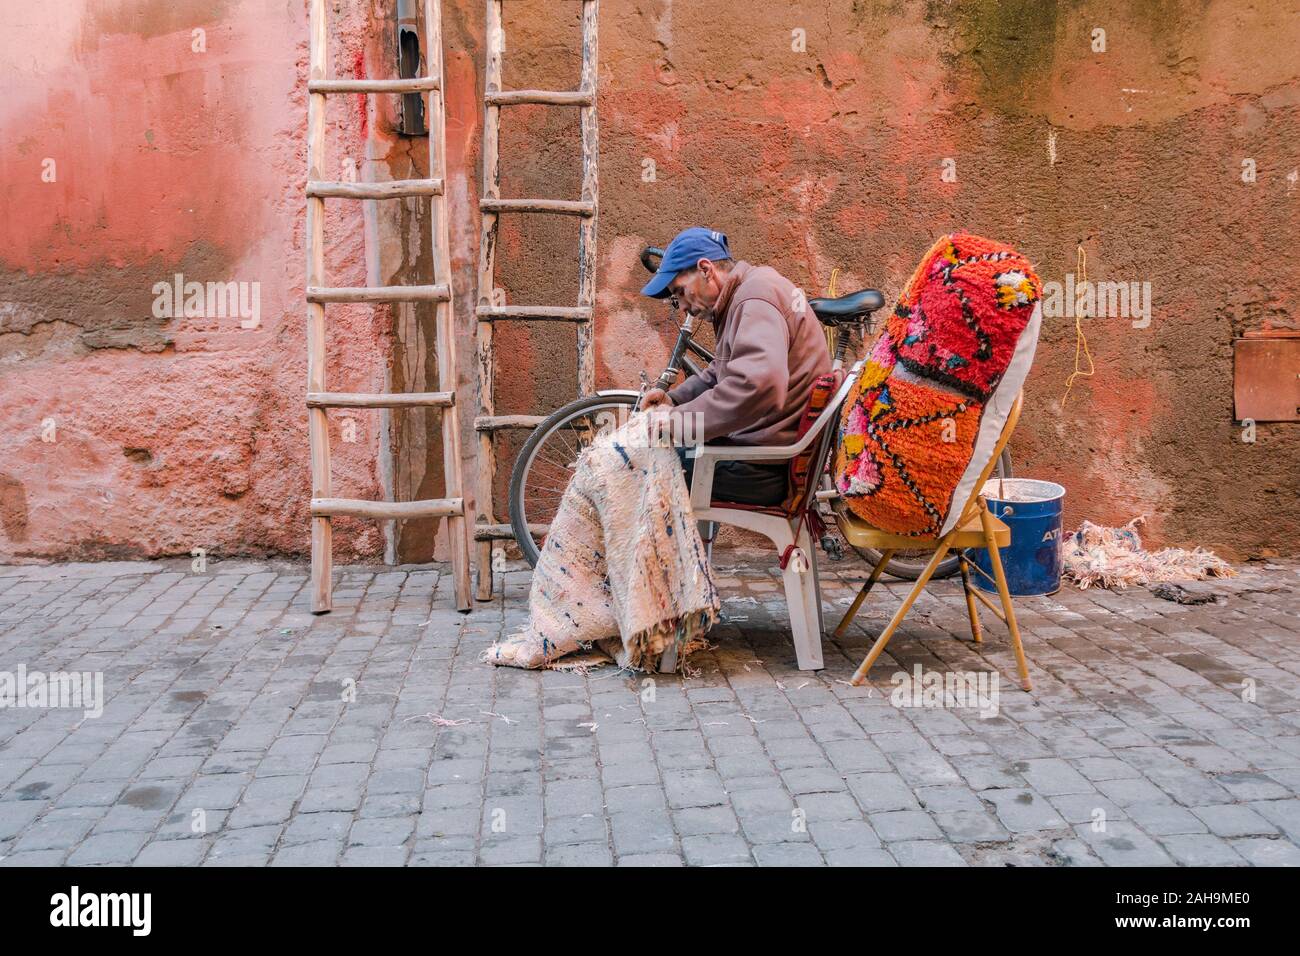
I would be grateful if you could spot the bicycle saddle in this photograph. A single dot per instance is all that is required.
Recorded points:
(847, 308)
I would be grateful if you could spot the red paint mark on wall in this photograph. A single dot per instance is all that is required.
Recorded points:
(363, 112)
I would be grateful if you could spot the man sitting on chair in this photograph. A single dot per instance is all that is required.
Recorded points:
(770, 349)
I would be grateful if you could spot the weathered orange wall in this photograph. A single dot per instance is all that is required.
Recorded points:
(176, 152)
(177, 434)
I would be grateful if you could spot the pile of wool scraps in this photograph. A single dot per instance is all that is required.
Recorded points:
(623, 567)
(1097, 556)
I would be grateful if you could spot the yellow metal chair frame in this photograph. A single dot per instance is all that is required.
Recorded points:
(977, 528)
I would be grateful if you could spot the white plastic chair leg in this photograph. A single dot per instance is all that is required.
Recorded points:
(708, 531)
(804, 626)
(812, 582)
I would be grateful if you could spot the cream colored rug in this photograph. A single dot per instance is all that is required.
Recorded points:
(623, 568)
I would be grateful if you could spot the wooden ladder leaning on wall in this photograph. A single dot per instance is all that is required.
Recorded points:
(487, 529)
(319, 400)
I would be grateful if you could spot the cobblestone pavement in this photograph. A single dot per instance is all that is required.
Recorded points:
(239, 729)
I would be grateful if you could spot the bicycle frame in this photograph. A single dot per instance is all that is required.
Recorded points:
(680, 358)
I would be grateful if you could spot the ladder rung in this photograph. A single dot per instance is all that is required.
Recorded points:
(383, 293)
(563, 207)
(415, 85)
(395, 400)
(395, 189)
(362, 508)
(489, 312)
(487, 423)
(497, 532)
(546, 97)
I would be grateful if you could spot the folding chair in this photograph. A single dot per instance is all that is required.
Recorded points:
(977, 528)
(792, 526)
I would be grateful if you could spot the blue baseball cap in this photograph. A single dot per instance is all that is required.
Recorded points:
(688, 248)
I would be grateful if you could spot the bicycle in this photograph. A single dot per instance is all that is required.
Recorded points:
(545, 462)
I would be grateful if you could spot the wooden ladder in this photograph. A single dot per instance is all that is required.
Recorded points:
(487, 529)
(324, 507)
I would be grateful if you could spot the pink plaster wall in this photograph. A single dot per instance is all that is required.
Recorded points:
(176, 434)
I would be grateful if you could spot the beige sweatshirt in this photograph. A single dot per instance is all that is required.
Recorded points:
(770, 349)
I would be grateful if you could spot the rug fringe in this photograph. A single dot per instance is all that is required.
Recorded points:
(1098, 556)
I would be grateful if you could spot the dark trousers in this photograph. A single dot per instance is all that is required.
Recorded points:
(744, 482)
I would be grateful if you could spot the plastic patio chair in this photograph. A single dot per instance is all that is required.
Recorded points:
(977, 528)
(786, 525)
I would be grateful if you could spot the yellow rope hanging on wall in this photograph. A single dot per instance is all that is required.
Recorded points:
(1080, 340)
(830, 294)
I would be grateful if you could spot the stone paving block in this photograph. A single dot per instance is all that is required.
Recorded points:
(987, 771)
(1201, 849)
(108, 848)
(827, 807)
(860, 856)
(631, 799)
(574, 797)
(715, 849)
(843, 834)
(172, 853)
(585, 828)
(896, 825)
(16, 816)
(1085, 807)
(439, 856)
(1284, 814)
(642, 832)
(1023, 811)
(788, 854)
(1074, 853)
(1105, 768)
(317, 800)
(752, 802)
(947, 798)
(694, 788)
(323, 827)
(651, 859)
(768, 827)
(881, 791)
(629, 774)
(579, 854)
(926, 853)
(1234, 821)
(516, 815)
(791, 752)
(970, 826)
(53, 834)
(381, 832)
(375, 856)
(397, 758)
(1165, 819)
(1052, 777)
(1123, 844)
(33, 858)
(1265, 852)
(696, 821)
(856, 756)
(1126, 792)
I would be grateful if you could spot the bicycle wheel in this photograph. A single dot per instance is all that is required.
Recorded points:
(545, 463)
(908, 565)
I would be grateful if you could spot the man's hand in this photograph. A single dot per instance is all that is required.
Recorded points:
(654, 398)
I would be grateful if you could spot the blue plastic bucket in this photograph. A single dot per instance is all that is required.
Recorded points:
(1032, 510)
